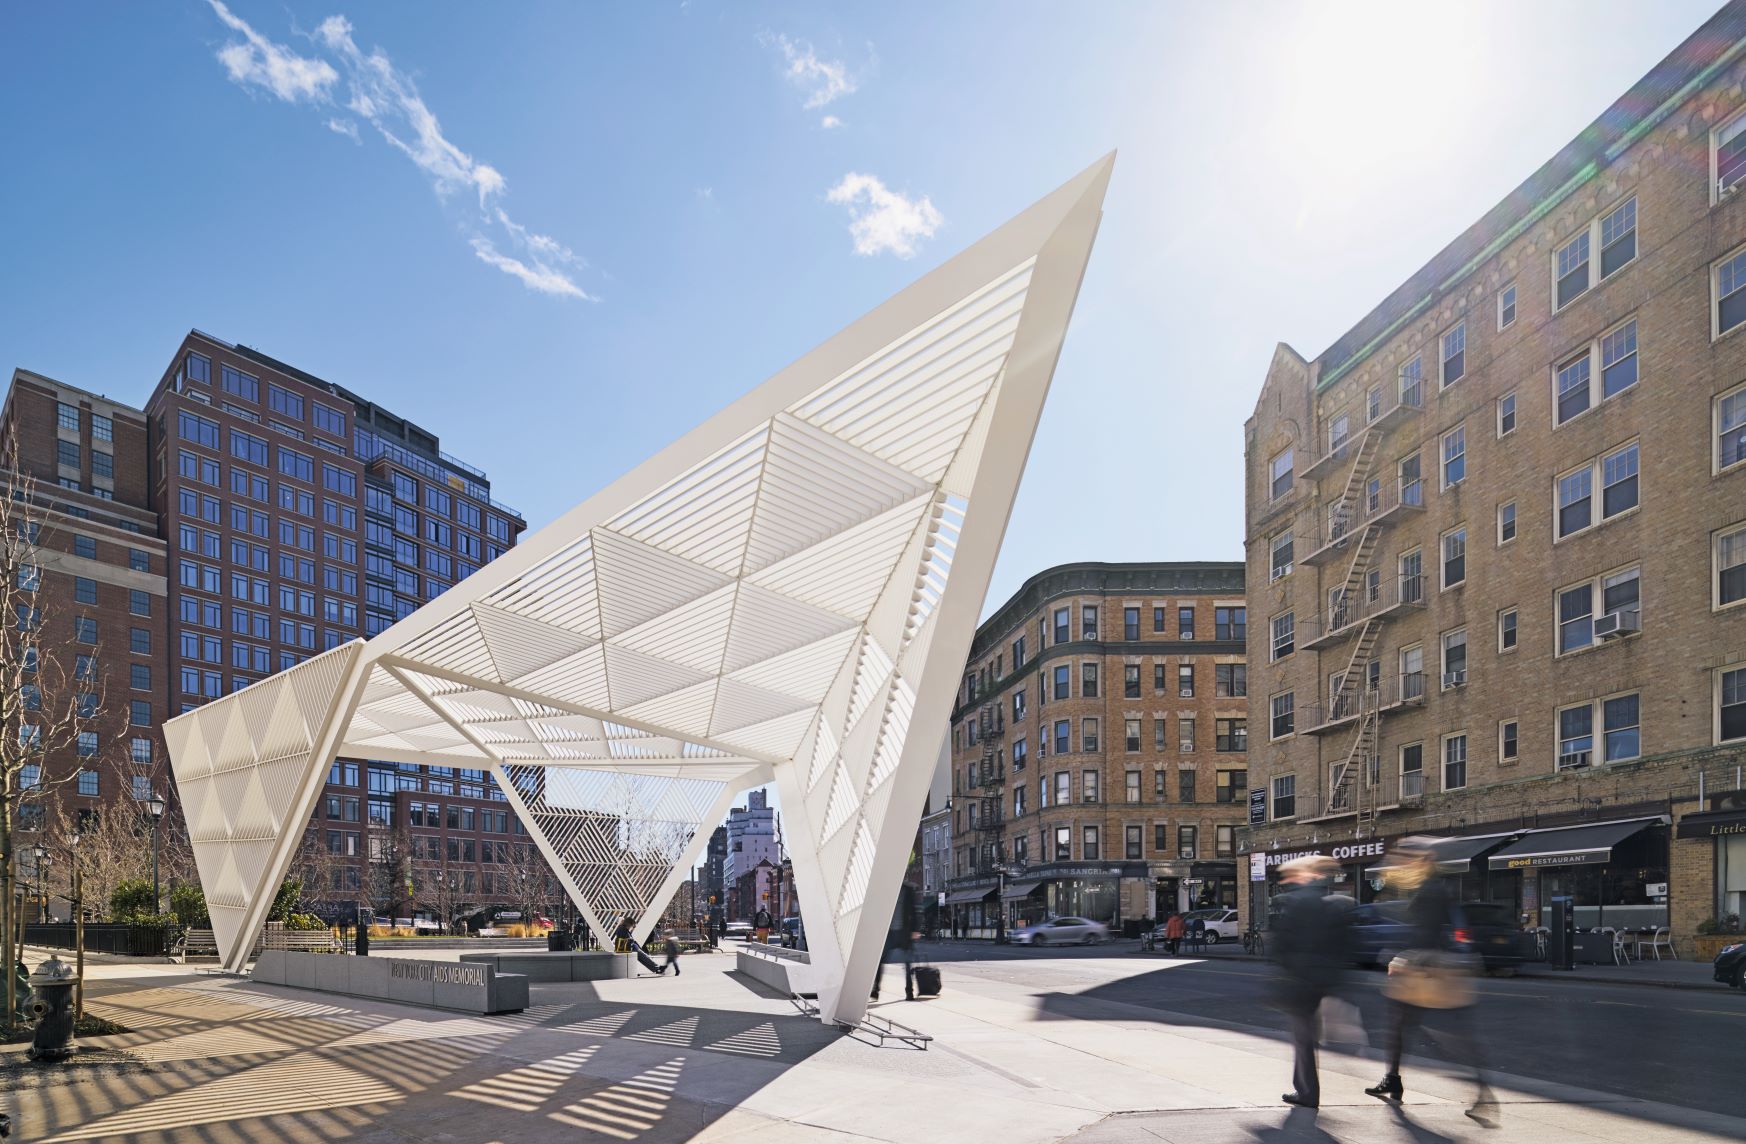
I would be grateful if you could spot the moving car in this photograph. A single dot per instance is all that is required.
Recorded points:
(1731, 965)
(1487, 930)
(737, 931)
(1060, 931)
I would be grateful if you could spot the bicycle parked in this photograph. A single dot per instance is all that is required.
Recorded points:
(1254, 942)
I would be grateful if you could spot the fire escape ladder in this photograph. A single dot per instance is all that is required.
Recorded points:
(1353, 773)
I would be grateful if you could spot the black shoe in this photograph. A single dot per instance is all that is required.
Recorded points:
(1294, 1098)
(1388, 1088)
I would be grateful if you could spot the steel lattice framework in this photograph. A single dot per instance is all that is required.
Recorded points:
(786, 594)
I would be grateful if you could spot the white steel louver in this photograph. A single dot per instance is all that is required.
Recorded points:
(786, 593)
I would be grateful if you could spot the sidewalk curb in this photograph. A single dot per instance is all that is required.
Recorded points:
(1589, 979)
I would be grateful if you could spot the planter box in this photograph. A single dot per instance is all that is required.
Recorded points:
(1704, 947)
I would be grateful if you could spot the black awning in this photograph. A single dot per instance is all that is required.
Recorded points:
(961, 897)
(1015, 890)
(1713, 824)
(1456, 855)
(1583, 845)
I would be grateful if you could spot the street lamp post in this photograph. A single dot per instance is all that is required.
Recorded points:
(155, 806)
(78, 929)
(42, 862)
(1001, 870)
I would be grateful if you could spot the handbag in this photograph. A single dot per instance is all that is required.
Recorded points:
(1430, 979)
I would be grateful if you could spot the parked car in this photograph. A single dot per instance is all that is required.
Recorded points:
(1731, 965)
(1486, 929)
(1221, 924)
(737, 931)
(1061, 931)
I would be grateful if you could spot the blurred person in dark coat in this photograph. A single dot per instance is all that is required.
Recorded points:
(1312, 944)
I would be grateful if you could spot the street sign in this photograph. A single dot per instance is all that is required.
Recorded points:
(1257, 806)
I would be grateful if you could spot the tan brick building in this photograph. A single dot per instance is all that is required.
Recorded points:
(1496, 536)
(1099, 747)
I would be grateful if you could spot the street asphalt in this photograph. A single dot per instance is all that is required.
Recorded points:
(1683, 1047)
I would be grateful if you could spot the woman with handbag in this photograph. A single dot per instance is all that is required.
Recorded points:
(1432, 973)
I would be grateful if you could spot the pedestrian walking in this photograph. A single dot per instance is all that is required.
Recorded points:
(670, 946)
(1432, 975)
(761, 923)
(1174, 928)
(1312, 946)
(900, 938)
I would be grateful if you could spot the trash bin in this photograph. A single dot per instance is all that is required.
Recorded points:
(559, 941)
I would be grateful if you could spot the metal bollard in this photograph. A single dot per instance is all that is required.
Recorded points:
(53, 984)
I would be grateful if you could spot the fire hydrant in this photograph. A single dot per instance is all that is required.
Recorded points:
(52, 1005)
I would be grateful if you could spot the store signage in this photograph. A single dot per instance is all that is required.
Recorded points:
(1257, 806)
(1343, 852)
(1257, 867)
(1712, 825)
(1583, 858)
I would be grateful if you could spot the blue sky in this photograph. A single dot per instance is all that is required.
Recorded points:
(559, 234)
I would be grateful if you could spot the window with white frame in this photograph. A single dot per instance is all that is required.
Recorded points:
(1279, 472)
(1454, 347)
(1455, 456)
(1574, 271)
(1613, 598)
(1731, 705)
(1617, 475)
(1280, 550)
(1284, 636)
(1728, 293)
(1412, 383)
(1454, 556)
(1729, 549)
(1506, 307)
(1506, 630)
(1604, 368)
(1284, 716)
(1509, 741)
(1454, 762)
(1727, 156)
(1454, 658)
(1339, 430)
(1412, 770)
(1617, 720)
(1285, 793)
(1730, 418)
(1506, 414)
(1506, 522)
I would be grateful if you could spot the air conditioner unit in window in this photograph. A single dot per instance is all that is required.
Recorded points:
(1455, 678)
(1186, 692)
(1616, 624)
(1574, 760)
(1725, 188)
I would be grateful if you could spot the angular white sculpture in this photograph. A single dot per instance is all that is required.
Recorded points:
(786, 594)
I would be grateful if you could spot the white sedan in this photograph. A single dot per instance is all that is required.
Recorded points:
(1061, 931)
(1221, 925)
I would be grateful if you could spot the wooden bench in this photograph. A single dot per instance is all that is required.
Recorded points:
(301, 941)
(195, 943)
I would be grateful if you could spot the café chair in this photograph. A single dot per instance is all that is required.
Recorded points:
(1661, 940)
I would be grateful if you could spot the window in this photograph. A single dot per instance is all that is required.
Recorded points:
(329, 420)
(66, 416)
(1454, 345)
(102, 464)
(1063, 729)
(1284, 636)
(1506, 630)
(1063, 844)
(84, 590)
(1018, 704)
(1160, 835)
(1185, 680)
(1229, 786)
(1230, 736)
(1132, 841)
(1158, 669)
(1130, 623)
(1132, 784)
(1283, 714)
(139, 713)
(1158, 732)
(1061, 635)
(1729, 282)
(199, 430)
(1280, 549)
(1185, 841)
(1454, 557)
(1615, 233)
(1131, 681)
(1506, 414)
(1509, 745)
(1279, 473)
(299, 465)
(139, 676)
(139, 641)
(1088, 843)
(1088, 622)
(1506, 522)
(1412, 770)
(1454, 456)
(1285, 796)
(1185, 786)
(1454, 762)
(1730, 557)
(284, 401)
(1730, 428)
(1731, 705)
(1620, 732)
(1613, 597)
(1185, 734)
(1157, 619)
(1230, 680)
(1604, 368)
(67, 453)
(88, 779)
(1617, 472)
(1454, 658)
(1088, 680)
(1088, 735)
(1063, 686)
(1506, 307)
(1185, 623)
(85, 629)
(1230, 624)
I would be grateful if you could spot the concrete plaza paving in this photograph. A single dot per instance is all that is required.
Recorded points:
(712, 1056)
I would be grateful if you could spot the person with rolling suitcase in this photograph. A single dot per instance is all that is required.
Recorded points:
(900, 938)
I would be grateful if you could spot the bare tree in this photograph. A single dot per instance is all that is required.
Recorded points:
(387, 881)
(114, 846)
(50, 697)
(441, 885)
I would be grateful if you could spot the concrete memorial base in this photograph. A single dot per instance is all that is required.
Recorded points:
(787, 970)
(557, 966)
(434, 984)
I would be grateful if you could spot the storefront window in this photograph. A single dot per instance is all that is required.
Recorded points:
(1093, 898)
(1731, 874)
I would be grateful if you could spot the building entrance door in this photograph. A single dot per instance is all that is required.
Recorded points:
(1166, 896)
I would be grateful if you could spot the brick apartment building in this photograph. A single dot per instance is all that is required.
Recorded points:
(1098, 748)
(1496, 537)
(267, 515)
(97, 599)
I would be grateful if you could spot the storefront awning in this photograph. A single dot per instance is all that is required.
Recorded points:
(1569, 845)
(964, 897)
(1455, 855)
(1712, 824)
(1019, 890)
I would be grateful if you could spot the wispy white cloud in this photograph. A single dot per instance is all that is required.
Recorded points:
(259, 62)
(823, 81)
(881, 219)
(829, 122)
(381, 95)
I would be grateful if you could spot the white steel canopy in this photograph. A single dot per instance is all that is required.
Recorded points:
(786, 594)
